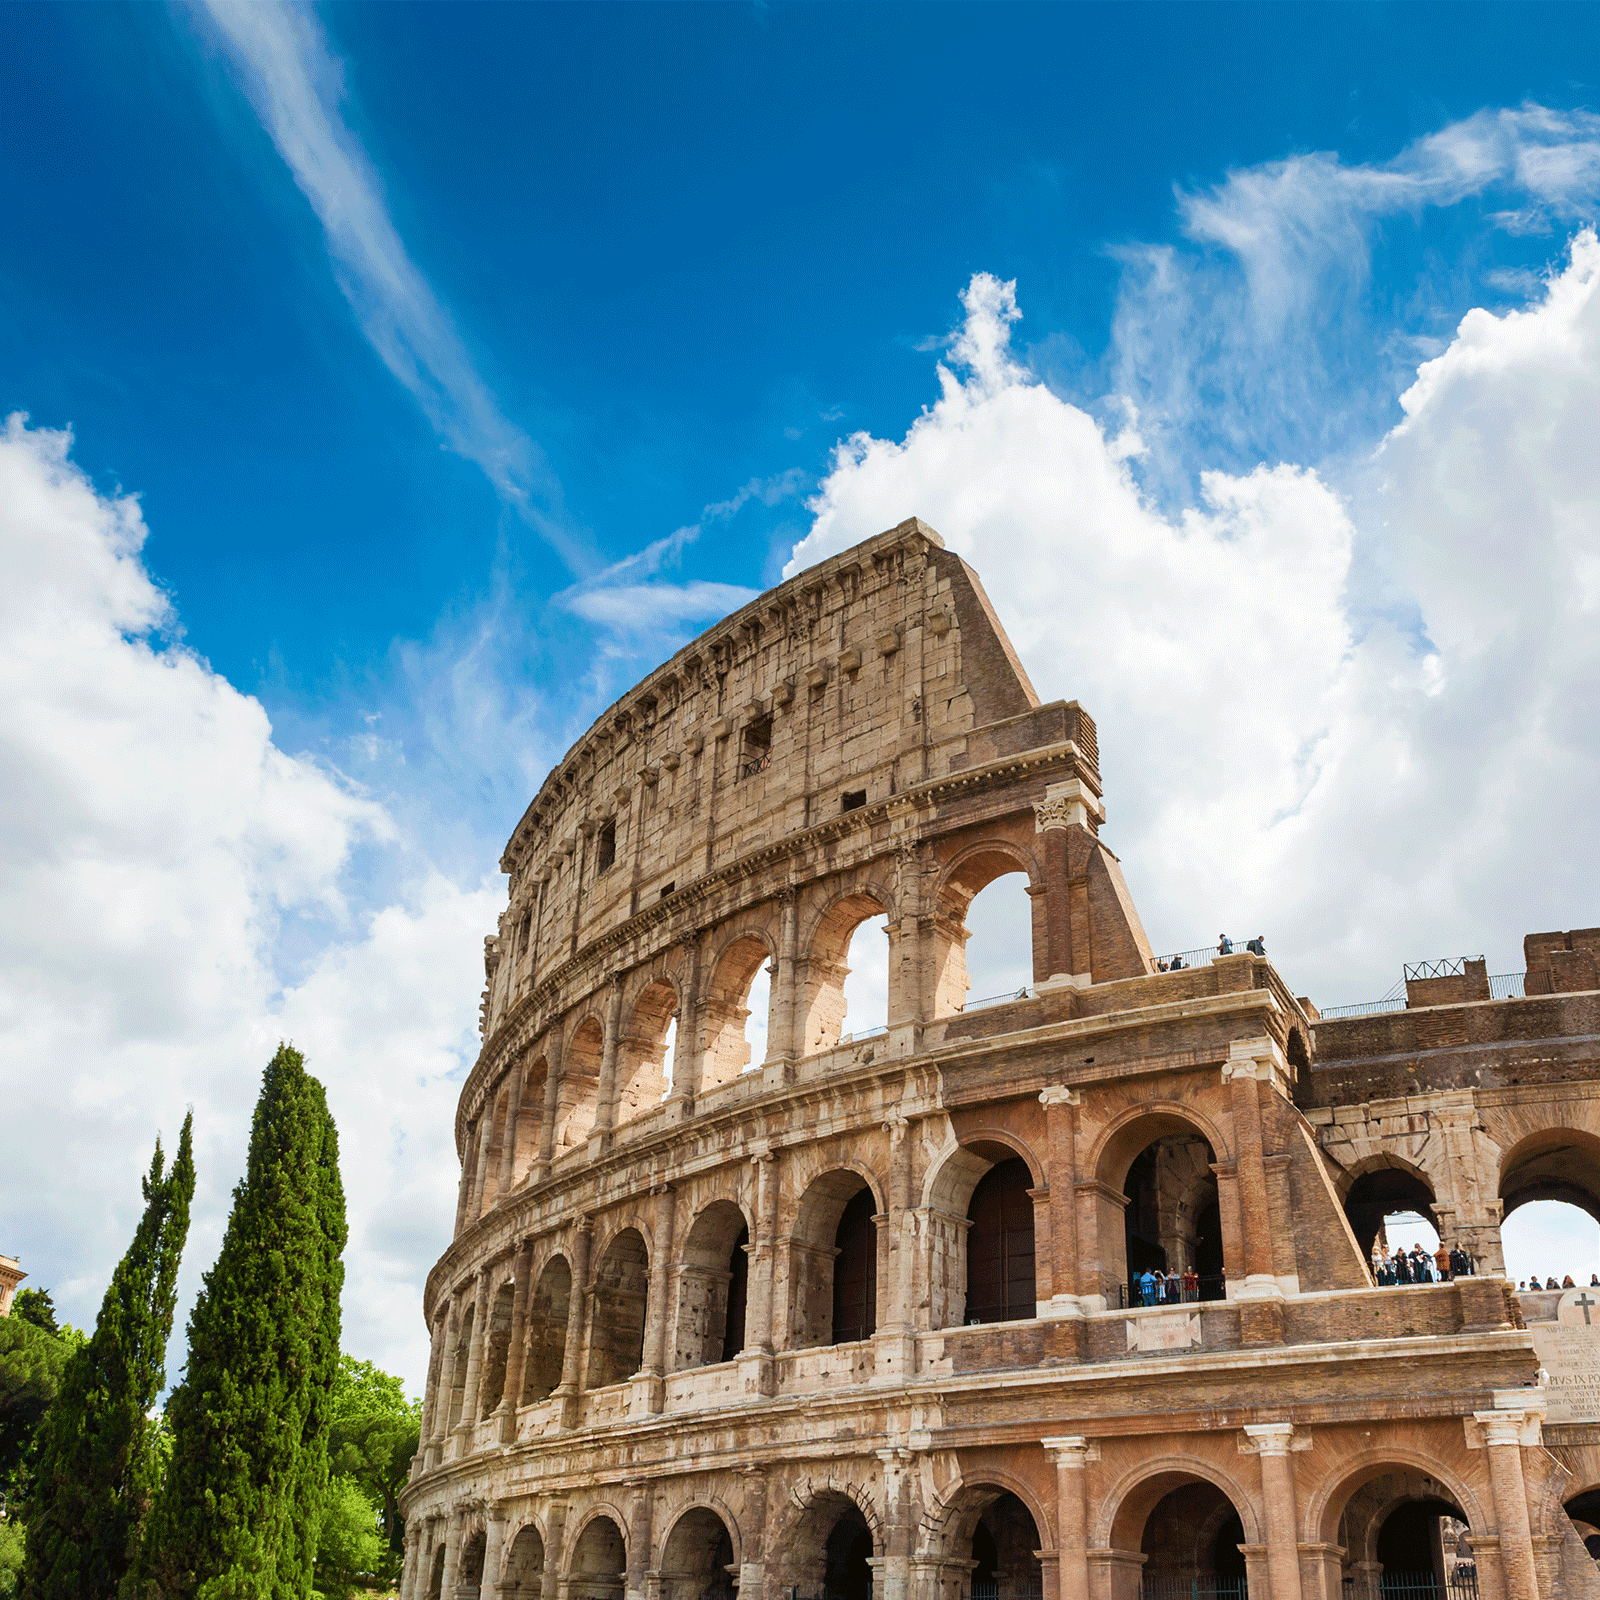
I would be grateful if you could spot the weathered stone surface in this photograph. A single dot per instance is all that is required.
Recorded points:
(718, 1333)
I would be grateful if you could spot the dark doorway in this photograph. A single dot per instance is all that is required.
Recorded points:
(1142, 1218)
(1410, 1552)
(855, 1272)
(738, 1294)
(1000, 1270)
(1380, 1194)
(849, 1557)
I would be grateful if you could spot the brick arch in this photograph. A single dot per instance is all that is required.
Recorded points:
(1558, 1162)
(647, 1017)
(1133, 1130)
(701, 1501)
(810, 1492)
(550, 1295)
(975, 866)
(1325, 1505)
(603, 1511)
(959, 1507)
(1141, 1488)
(711, 1274)
(952, 1180)
(824, 944)
(810, 1248)
(1377, 1162)
(577, 1099)
(743, 949)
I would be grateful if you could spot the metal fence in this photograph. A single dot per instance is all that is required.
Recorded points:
(1502, 986)
(1203, 955)
(993, 1589)
(1211, 1588)
(1462, 1584)
(997, 999)
(1133, 1295)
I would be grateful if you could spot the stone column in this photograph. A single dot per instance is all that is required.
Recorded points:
(1250, 1061)
(686, 1052)
(1272, 1442)
(552, 1105)
(1513, 1423)
(412, 1560)
(895, 1568)
(480, 1334)
(555, 1527)
(452, 1555)
(753, 1530)
(1061, 1175)
(508, 1143)
(756, 1369)
(1065, 806)
(469, 1157)
(517, 1352)
(657, 1294)
(430, 1410)
(572, 1353)
(481, 1165)
(1072, 1453)
(895, 1346)
(605, 1109)
(447, 1382)
(638, 1538)
(494, 1545)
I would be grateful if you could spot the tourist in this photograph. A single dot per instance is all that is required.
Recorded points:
(1174, 1288)
(1258, 945)
(1594, 1280)
(1444, 1263)
(1191, 1283)
(1550, 1283)
(1402, 1267)
(1567, 1283)
(1421, 1266)
(1177, 964)
(1224, 945)
(1147, 1288)
(1161, 966)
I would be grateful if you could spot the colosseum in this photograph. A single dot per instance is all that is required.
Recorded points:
(1067, 1295)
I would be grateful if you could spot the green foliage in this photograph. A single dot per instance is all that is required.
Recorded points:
(13, 1549)
(96, 1470)
(36, 1306)
(31, 1365)
(242, 1503)
(349, 1547)
(374, 1435)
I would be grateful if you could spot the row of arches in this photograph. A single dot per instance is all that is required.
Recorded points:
(672, 1026)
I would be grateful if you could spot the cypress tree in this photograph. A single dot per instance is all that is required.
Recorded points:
(241, 1506)
(96, 1466)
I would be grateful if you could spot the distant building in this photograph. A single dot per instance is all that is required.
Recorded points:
(876, 1318)
(10, 1276)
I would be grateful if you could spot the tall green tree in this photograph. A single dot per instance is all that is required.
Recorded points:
(374, 1436)
(241, 1505)
(31, 1366)
(95, 1471)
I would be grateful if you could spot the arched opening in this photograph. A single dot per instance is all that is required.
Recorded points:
(495, 1154)
(998, 949)
(1583, 1511)
(469, 1579)
(1404, 1536)
(697, 1561)
(616, 1340)
(1171, 1224)
(498, 1328)
(547, 1331)
(529, 1116)
(458, 1366)
(830, 1550)
(436, 1574)
(712, 1281)
(833, 1262)
(1005, 1546)
(642, 1078)
(524, 1566)
(1191, 1535)
(732, 1001)
(1553, 1176)
(866, 984)
(1390, 1210)
(826, 970)
(599, 1562)
(1000, 1255)
(580, 1085)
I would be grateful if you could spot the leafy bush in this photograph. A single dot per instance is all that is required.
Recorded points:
(12, 1542)
(350, 1550)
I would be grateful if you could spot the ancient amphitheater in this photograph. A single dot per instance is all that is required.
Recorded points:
(854, 1319)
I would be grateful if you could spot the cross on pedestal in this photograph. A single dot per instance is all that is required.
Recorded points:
(1584, 1301)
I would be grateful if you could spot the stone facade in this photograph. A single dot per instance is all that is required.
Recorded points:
(856, 1317)
(10, 1276)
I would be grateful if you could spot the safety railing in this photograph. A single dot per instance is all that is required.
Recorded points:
(864, 1033)
(760, 763)
(1204, 954)
(1508, 986)
(1502, 986)
(994, 1589)
(1215, 1587)
(1445, 967)
(997, 999)
(1462, 1584)
(1367, 1008)
(1137, 1293)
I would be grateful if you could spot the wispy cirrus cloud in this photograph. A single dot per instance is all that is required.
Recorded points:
(296, 85)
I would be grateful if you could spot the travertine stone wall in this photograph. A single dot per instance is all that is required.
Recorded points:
(639, 1382)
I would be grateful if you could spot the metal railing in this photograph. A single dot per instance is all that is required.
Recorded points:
(748, 769)
(1508, 986)
(1462, 1584)
(1502, 986)
(1134, 1295)
(993, 1589)
(1445, 967)
(865, 1033)
(1367, 1008)
(997, 999)
(1204, 954)
(1212, 1587)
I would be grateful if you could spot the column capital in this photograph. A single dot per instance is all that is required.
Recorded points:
(1071, 1449)
(1272, 1439)
(1066, 804)
(1058, 1094)
(1516, 1419)
(1259, 1057)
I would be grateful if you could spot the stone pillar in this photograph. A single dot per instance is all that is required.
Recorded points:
(567, 1390)
(1065, 806)
(452, 1555)
(892, 1576)
(756, 1368)
(555, 1527)
(517, 1352)
(1067, 1272)
(895, 1345)
(547, 1121)
(605, 1109)
(469, 1161)
(480, 1335)
(1249, 1062)
(430, 1410)
(753, 1531)
(481, 1165)
(686, 1052)
(412, 1560)
(494, 1546)
(638, 1538)
(447, 1382)
(1272, 1442)
(1072, 1453)
(508, 1143)
(653, 1372)
(1513, 1423)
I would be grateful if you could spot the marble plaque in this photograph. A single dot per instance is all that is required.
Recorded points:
(1569, 1351)
(1168, 1330)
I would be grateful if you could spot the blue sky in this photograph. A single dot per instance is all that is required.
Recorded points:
(464, 360)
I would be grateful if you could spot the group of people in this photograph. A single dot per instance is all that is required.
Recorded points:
(1566, 1282)
(1152, 1288)
(1256, 946)
(1417, 1266)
